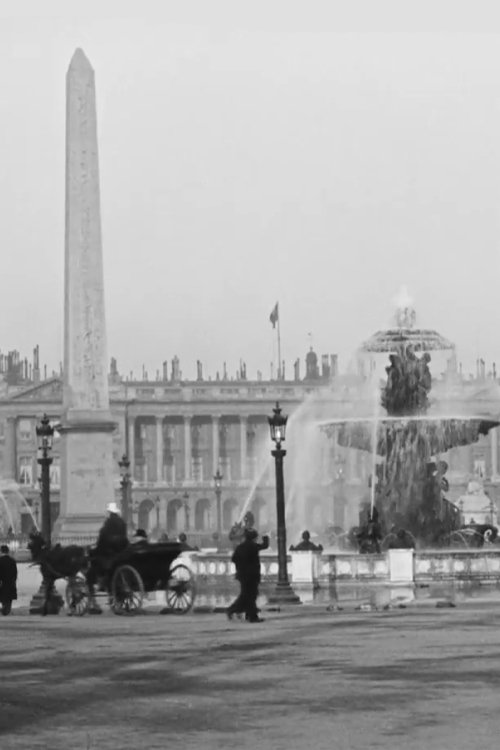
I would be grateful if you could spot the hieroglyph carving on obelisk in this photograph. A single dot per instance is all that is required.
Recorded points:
(87, 443)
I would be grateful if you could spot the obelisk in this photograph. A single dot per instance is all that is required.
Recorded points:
(86, 431)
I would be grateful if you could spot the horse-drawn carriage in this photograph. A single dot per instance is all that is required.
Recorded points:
(124, 578)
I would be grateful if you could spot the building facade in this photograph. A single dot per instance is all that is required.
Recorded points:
(177, 434)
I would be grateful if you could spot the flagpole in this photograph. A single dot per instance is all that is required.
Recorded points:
(279, 346)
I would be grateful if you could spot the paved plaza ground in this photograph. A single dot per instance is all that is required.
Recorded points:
(414, 678)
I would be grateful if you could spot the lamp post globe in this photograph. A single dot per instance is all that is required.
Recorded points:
(283, 593)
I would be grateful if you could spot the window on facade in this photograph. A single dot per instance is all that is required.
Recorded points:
(169, 470)
(2, 429)
(25, 429)
(25, 470)
(225, 464)
(197, 467)
(55, 473)
(480, 468)
(252, 467)
(146, 392)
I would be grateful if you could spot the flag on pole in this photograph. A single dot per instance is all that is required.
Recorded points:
(274, 315)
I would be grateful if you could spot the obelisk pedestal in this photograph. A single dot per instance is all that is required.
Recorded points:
(86, 431)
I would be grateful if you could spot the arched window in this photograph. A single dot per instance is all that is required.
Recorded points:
(145, 520)
(202, 515)
(175, 516)
(26, 470)
(260, 512)
(229, 513)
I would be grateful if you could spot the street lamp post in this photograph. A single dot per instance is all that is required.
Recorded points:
(157, 506)
(283, 593)
(186, 509)
(45, 434)
(218, 492)
(125, 485)
(44, 602)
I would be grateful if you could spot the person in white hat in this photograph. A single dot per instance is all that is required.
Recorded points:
(111, 541)
(113, 534)
(113, 508)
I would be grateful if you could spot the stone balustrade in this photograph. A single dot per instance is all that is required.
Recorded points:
(392, 567)
(320, 569)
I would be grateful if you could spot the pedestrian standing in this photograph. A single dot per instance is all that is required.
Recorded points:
(8, 580)
(247, 564)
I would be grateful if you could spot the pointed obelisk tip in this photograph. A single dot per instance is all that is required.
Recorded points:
(80, 61)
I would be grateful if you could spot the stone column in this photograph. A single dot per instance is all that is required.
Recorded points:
(87, 472)
(159, 449)
(187, 448)
(494, 454)
(215, 443)
(243, 447)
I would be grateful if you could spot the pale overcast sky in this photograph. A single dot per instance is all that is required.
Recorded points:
(250, 157)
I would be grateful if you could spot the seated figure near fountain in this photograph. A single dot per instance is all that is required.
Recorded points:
(369, 535)
(305, 545)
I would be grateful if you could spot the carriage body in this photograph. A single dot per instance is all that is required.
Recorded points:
(130, 574)
(153, 562)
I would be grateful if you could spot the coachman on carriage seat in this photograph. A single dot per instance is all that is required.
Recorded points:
(113, 534)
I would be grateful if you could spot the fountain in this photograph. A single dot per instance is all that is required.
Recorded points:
(407, 436)
(11, 506)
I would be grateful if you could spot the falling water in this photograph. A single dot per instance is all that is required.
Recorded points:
(262, 466)
(302, 437)
(374, 451)
(10, 518)
(262, 469)
(7, 490)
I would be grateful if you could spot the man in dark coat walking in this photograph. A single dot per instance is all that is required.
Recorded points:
(8, 580)
(247, 563)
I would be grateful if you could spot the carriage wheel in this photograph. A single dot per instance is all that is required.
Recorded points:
(127, 591)
(180, 590)
(77, 595)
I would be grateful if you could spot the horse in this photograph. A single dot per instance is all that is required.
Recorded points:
(56, 562)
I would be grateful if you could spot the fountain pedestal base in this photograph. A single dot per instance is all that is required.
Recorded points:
(401, 565)
(305, 567)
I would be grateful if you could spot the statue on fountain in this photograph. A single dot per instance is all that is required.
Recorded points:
(237, 530)
(409, 499)
(408, 384)
(369, 535)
